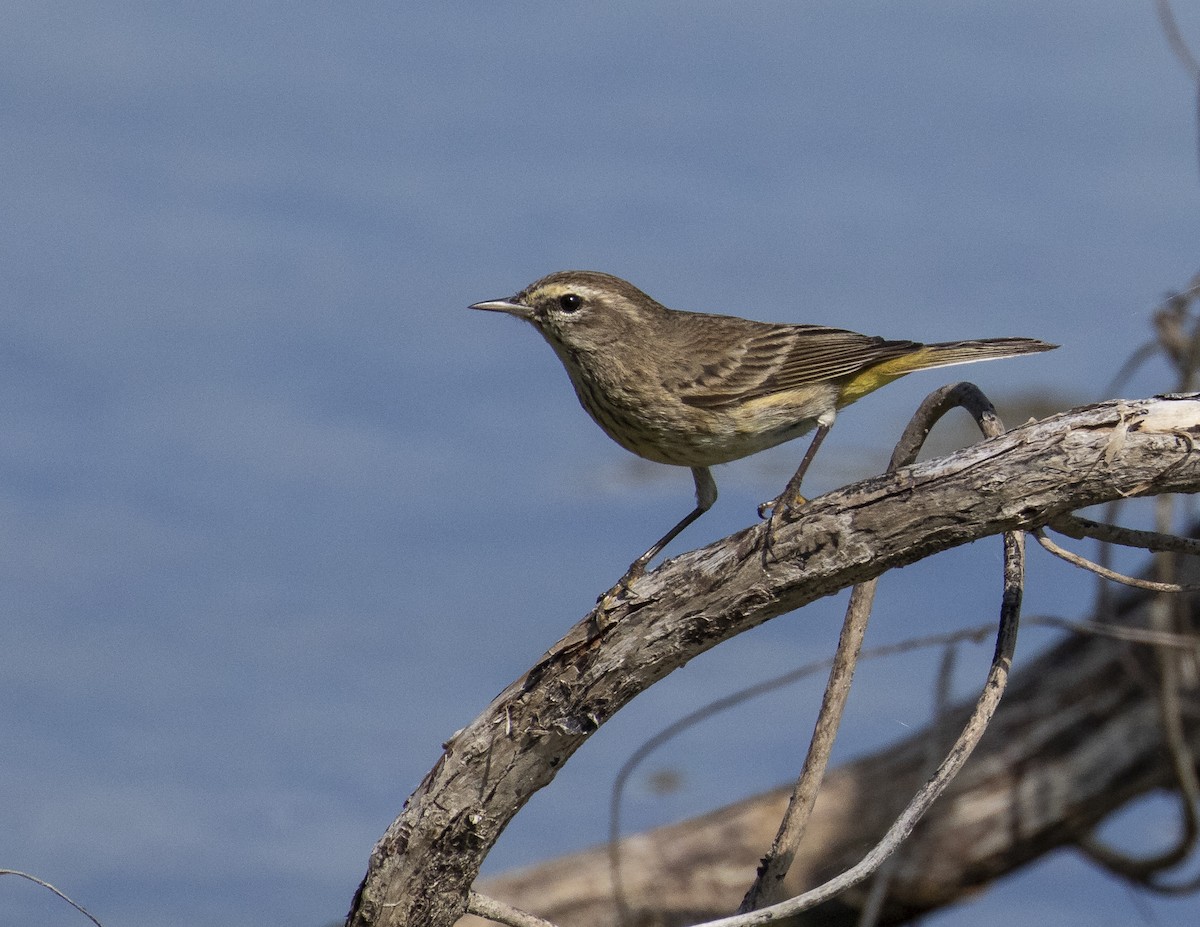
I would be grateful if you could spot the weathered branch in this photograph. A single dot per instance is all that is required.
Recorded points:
(768, 884)
(1076, 738)
(423, 866)
(960, 751)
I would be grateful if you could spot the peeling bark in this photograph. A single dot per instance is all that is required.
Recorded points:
(423, 866)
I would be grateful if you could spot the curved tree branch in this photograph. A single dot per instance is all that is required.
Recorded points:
(1076, 739)
(421, 870)
(768, 885)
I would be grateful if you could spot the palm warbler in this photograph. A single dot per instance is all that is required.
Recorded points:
(694, 390)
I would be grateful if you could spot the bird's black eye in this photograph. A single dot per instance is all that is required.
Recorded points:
(569, 302)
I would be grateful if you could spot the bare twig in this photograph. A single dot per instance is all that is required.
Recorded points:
(1167, 616)
(501, 913)
(422, 867)
(948, 640)
(1073, 526)
(767, 886)
(46, 885)
(1149, 584)
(706, 712)
(795, 819)
(1177, 340)
(985, 707)
(1032, 766)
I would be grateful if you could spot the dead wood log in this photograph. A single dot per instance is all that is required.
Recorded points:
(1076, 738)
(421, 869)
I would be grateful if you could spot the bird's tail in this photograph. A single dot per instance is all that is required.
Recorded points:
(949, 353)
(929, 356)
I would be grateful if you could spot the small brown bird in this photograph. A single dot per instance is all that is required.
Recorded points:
(694, 390)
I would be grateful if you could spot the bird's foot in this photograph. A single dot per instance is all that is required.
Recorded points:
(770, 507)
(624, 587)
(781, 509)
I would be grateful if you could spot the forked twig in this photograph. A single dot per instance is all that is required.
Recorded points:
(985, 708)
(766, 886)
(691, 719)
(1178, 340)
(947, 640)
(488, 770)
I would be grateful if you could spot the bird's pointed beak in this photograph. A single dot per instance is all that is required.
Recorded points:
(505, 305)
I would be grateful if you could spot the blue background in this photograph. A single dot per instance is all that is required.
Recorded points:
(278, 514)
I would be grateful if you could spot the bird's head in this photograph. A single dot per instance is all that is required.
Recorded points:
(581, 310)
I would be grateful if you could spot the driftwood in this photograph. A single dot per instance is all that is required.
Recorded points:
(1076, 737)
(422, 868)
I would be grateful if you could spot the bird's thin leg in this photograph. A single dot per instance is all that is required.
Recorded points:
(790, 498)
(706, 495)
(791, 494)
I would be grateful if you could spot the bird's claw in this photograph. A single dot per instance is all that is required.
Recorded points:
(624, 586)
(780, 505)
(777, 509)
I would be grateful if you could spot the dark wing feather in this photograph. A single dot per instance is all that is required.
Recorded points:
(765, 359)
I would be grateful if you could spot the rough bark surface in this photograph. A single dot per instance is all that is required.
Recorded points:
(1076, 737)
(422, 867)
